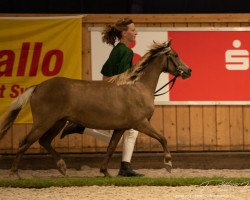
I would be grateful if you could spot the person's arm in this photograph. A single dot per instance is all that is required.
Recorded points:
(107, 69)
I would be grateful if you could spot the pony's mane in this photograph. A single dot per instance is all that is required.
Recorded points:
(134, 73)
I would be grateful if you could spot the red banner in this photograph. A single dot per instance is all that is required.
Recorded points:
(220, 64)
(219, 58)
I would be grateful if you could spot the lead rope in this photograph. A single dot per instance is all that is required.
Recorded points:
(171, 81)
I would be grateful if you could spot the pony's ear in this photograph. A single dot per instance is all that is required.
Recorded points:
(169, 43)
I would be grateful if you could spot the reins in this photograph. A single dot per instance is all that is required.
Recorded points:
(171, 81)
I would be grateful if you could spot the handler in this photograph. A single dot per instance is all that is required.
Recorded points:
(120, 60)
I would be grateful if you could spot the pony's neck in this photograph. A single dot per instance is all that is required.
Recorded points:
(151, 74)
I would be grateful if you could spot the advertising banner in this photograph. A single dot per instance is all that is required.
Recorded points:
(33, 50)
(218, 57)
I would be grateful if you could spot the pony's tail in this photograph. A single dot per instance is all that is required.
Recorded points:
(15, 107)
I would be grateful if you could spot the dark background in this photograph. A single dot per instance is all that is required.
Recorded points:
(124, 6)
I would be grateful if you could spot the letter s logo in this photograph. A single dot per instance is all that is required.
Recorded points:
(237, 59)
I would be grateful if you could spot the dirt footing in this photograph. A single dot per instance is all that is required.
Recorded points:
(194, 160)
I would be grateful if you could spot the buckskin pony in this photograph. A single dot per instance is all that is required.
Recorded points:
(125, 101)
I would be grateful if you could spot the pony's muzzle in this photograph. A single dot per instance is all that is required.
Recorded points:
(184, 72)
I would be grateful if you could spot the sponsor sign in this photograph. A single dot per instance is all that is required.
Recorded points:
(33, 50)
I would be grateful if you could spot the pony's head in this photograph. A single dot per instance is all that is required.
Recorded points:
(168, 59)
(173, 64)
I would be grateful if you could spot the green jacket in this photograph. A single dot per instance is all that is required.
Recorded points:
(120, 59)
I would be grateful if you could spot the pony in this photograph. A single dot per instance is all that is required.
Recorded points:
(125, 101)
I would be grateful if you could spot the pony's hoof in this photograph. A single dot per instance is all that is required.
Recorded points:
(62, 167)
(168, 166)
(14, 175)
(105, 173)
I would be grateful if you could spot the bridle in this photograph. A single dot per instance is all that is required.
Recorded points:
(180, 72)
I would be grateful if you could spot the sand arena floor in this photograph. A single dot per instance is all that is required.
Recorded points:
(221, 192)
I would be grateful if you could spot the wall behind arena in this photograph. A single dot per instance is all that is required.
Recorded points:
(187, 128)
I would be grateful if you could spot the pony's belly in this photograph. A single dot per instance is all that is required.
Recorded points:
(106, 122)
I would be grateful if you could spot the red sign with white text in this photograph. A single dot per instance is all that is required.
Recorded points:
(220, 65)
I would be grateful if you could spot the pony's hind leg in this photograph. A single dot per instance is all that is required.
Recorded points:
(46, 140)
(32, 137)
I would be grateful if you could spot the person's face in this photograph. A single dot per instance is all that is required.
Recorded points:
(130, 34)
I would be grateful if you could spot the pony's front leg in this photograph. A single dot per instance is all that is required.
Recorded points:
(145, 127)
(117, 134)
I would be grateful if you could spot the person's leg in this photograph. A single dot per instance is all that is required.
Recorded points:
(128, 148)
(77, 128)
(128, 144)
(71, 128)
(103, 135)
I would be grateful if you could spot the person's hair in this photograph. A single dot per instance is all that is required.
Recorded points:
(113, 32)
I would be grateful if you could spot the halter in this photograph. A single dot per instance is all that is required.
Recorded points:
(172, 80)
